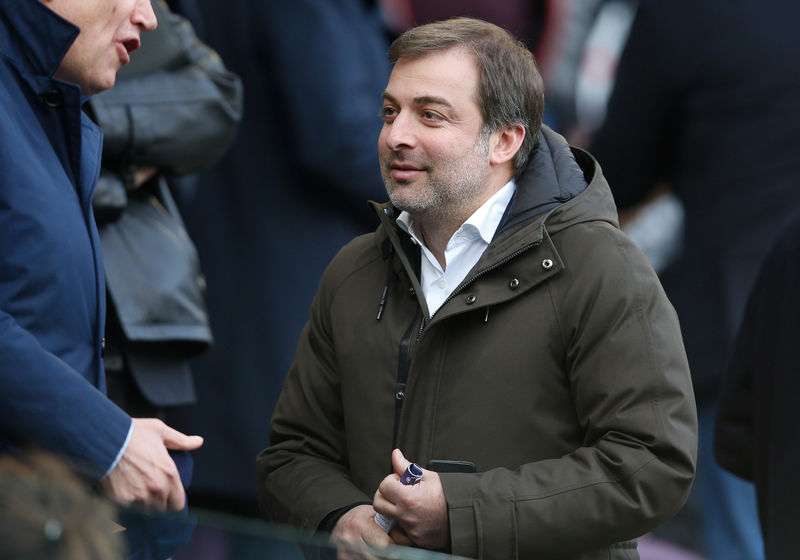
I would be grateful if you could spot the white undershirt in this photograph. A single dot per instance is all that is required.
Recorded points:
(463, 250)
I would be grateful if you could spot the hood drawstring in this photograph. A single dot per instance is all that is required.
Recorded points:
(388, 250)
(486, 317)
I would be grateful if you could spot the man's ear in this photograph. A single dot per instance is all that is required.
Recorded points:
(505, 143)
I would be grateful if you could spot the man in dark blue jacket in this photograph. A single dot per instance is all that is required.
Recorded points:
(53, 53)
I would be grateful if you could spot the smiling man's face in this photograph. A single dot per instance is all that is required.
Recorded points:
(434, 159)
(110, 31)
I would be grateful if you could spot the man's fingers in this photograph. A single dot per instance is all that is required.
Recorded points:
(399, 536)
(356, 534)
(382, 505)
(177, 497)
(173, 439)
(146, 474)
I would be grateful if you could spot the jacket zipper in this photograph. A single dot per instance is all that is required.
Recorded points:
(404, 359)
(480, 273)
(403, 365)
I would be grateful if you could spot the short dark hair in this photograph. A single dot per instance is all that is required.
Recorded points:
(510, 88)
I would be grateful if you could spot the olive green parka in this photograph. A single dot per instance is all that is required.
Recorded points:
(557, 367)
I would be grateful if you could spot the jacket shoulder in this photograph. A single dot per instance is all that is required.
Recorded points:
(360, 253)
(601, 259)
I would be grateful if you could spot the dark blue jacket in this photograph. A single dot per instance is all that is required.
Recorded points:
(52, 303)
(757, 427)
(705, 101)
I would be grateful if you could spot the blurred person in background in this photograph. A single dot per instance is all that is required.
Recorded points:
(173, 111)
(521, 18)
(757, 426)
(267, 219)
(706, 104)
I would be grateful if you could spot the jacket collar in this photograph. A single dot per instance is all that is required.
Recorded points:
(34, 37)
(551, 178)
(552, 194)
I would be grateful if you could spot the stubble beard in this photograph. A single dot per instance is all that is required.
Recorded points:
(449, 191)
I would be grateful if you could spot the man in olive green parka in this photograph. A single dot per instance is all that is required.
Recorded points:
(498, 318)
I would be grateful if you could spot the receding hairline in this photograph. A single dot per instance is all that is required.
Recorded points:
(416, 56)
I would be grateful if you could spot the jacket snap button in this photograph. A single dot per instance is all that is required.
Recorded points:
(471, 300)
(52, 98)
(547, 264)
(514, 284)
(399, 395)
(412, 292)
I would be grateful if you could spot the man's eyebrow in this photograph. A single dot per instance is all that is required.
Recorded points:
(432, 100)
(421, 100)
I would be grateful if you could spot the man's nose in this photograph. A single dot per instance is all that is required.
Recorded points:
(399, 133)
(144, 16)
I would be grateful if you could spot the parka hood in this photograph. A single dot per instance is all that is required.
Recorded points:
(559, 176)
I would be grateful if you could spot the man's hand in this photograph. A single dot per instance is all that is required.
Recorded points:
(140, 176)
(146, 474)
(357, 527)
(420, 511)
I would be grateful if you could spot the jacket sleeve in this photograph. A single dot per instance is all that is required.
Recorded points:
(308, 450)
(178, 110)
(633, 399)
(45, 403)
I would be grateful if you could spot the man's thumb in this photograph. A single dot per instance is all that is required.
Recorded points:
(399, 462)
(173, 439)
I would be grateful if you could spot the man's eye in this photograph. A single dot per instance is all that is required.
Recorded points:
(431, 116)
(388, 112)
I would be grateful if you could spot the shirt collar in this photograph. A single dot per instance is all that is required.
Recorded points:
(484, 221)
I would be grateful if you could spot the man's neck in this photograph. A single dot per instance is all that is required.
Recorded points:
(437, 229)
(436, 238)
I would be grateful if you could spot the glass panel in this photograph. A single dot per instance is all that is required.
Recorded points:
(220, 536)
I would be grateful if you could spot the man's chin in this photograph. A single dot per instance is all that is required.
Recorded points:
(99, 85)
(407, 204)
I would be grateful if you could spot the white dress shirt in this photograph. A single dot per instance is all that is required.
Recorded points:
(463, 250)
